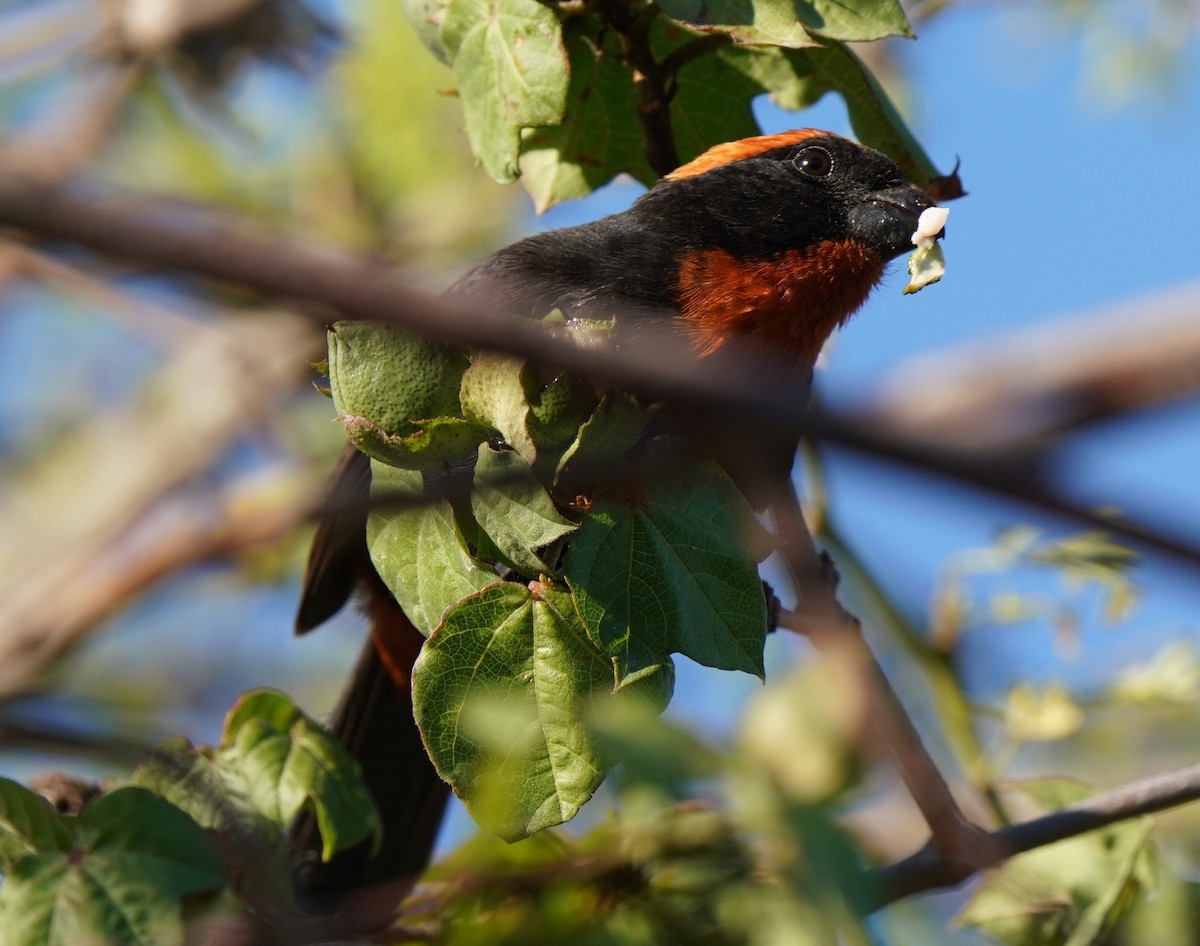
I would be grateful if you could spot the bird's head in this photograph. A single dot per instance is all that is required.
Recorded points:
(777, 192)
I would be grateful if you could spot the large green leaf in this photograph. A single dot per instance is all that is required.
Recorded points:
(511, 68)
(493, 394)
(853, 20)
(667, 573)
(289, 761)
(618, 422)
(500, 692)
(515, 512)
(418, 552)
(135, 858)
(873, 116)
(758, 22)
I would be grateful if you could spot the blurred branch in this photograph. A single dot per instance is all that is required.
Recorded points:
(92, 519)
(929, 869)
(1045, 381)
(342, 284)
(822, 618)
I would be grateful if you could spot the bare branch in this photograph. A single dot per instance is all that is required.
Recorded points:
(831, 627)
(1049, 379)
(929, 869)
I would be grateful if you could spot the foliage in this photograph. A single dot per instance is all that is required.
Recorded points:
(194, 821)
(509, 506)
(520, 574)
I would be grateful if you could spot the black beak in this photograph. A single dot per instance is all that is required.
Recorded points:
(887, 219)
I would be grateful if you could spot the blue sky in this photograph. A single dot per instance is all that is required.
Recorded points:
(1076, 203)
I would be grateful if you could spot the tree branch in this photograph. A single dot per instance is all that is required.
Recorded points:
(337, 284)
(929, 869)
(652, 81)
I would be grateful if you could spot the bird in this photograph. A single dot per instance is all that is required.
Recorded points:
(772, 242)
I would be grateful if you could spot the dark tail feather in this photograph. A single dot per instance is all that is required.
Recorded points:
(374, 719)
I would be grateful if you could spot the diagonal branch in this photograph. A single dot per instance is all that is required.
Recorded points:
(929, 869)
(337, 284)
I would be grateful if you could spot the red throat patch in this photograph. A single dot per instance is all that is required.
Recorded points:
(790, 303)
(731, 151)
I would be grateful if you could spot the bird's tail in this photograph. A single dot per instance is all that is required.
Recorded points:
(373, 720)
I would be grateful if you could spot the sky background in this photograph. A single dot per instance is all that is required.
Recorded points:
(1077, 203)
(1080, 199)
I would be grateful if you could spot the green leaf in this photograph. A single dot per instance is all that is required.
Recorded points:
(512, 71)
(853, 20)
(670, 575)
(288, 761)
(557, 410)
(602, 138)
(754, 22)
(792, 23)
(217, 798)
(618, 423)
(516, 513)
(28, 825)
(418, 552)
(500, 692)
(1070, 893)
(397, 394)
(136, 857)
(494, 394)
(873, 116)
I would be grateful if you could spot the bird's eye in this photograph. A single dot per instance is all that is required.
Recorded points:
(815, 162)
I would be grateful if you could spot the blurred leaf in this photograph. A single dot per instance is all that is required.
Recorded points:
(135, 858)
(1093, 558)
(287, 762)
(803, 731)
(1041, 714)
(500, 693)
(418, 551)
(511, 68)
(28, 825)
(667, 574)
(1070, 893)
(1170, 677)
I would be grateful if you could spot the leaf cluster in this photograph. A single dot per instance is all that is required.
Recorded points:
(567, 95)
(550, 580)
(197, 835)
